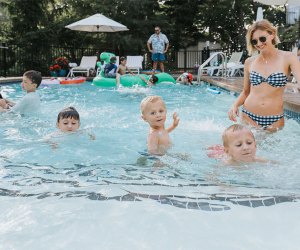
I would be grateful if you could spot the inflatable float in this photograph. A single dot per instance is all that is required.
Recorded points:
(130, 80)
(213, 90)
(51, 81)
(75, 80)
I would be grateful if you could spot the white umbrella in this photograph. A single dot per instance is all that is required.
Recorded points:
(259, 14)
(97, 23)
(279, 2)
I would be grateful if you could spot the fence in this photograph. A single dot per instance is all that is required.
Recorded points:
(16, 59)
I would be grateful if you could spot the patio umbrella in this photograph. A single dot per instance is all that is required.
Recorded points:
(259, 14)
(97, 23)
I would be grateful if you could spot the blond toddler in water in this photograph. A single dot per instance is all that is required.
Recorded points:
(239, 145)
(154, 112)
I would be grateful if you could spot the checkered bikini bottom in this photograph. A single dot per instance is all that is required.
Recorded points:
(263, 121)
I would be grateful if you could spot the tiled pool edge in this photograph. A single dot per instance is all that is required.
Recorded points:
(291, 109)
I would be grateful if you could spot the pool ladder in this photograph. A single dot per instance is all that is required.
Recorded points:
(221, 68)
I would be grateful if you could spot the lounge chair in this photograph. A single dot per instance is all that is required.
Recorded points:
(134, 63)
(231, 68)
(87, 63)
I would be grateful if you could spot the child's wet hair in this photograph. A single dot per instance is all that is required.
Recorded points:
(233, 128)
(122, 58)
(150, 99)
(154, 79)
(34, 76)
(69, 112)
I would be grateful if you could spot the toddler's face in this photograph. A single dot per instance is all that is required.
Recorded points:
(241, 146)
(68, 124)
(155, 114)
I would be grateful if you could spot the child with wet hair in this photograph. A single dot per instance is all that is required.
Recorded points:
(68, 120)
(153, 79)
(239, 145)
(185, 79)
(154, 112)
(31, 101)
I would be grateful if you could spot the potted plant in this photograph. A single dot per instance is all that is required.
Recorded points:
(59, 67)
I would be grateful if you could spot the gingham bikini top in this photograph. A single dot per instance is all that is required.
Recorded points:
(276, 80)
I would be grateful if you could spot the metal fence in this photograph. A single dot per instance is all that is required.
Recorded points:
(16, 59)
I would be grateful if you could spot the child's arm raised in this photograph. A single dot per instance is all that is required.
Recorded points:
(175, 123)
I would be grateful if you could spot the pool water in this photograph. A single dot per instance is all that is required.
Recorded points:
(107, 193)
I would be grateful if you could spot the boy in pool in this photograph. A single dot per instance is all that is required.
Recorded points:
(121, 70)
(239, 145)
(111, 68)
(31, 101)
(185, 79)
(154, 112)
(68, 120)
(4, 104)
(152, 80)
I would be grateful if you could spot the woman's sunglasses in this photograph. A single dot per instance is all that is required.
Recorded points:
(262, 39)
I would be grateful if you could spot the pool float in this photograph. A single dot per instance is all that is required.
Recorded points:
(48, 82)
(130, 80)
(75, 80)
(213, 90)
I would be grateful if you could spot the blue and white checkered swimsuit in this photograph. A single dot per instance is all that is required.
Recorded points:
(276, 80)
(264, 121)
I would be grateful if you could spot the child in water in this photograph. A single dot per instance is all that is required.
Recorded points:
(185, 79)
(239, 145)
(154, 112)
(122, 69)
(152, 80)
(68, 120)
(31, 101)
(4, 104)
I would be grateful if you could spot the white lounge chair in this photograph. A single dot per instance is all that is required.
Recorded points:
(134, 63)
(87, 63)
(233, 62)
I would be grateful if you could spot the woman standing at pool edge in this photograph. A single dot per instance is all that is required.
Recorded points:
(265, 77)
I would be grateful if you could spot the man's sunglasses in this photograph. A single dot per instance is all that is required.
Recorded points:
(262, 39)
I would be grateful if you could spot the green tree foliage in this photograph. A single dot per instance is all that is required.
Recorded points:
(182, 16)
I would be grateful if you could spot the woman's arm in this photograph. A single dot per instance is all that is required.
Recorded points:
(234, 110)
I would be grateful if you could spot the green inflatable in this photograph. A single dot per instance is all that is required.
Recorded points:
(130, 80)
(105, 58)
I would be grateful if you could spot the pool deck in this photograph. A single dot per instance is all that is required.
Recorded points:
(234, 84)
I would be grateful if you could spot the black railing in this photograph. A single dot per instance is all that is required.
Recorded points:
(16, 59)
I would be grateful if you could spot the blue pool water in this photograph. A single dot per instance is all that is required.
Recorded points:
(105, 193)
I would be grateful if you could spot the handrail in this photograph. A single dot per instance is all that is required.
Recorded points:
(223, 64)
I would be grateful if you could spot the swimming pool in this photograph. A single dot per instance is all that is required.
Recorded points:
(106, 194)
